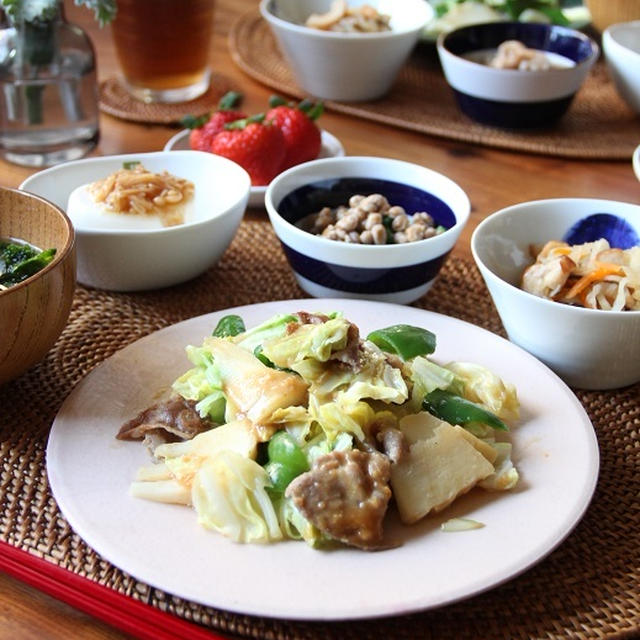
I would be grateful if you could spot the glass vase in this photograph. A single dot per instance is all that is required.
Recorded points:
(48, 90)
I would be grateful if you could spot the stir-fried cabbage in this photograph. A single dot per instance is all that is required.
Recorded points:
(308, 341)
(229, 496)
(486, 388)
(314, 378)
(203, 384)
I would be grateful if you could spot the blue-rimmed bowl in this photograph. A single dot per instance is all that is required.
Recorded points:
(398, 273)
(510, 98)
(588, 348)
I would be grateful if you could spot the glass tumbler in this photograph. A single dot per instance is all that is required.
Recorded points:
(163, 48)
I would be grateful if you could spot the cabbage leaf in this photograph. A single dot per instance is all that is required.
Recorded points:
(229, 496)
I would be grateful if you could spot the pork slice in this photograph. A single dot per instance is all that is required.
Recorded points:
(175, 418)
(345, 495)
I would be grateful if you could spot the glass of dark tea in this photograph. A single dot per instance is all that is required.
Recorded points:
(163, 48)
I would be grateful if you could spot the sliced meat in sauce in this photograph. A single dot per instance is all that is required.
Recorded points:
(345, 495)
(175, 417)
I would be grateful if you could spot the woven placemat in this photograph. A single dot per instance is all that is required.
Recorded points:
(587, 588)
(114, 99)
(598, 125)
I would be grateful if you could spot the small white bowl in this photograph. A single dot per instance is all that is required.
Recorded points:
(345, 66)
(635, 161)
(588, 348)
(621, 46)
(398, 273)
(331, 148)
(129, 259)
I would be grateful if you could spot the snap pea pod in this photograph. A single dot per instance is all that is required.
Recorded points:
(229, 326)
(286, 461)
(404, 340)
(457, 410)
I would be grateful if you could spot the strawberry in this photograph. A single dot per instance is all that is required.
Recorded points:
(302, 136)
(204, 128)
(257, 146)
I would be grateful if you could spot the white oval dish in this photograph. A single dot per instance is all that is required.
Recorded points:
(331, 148)
(90, 472)
(126, 259)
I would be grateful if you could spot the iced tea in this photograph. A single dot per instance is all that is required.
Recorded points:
(163, 47)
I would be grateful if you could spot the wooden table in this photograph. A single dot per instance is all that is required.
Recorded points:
(493, 179)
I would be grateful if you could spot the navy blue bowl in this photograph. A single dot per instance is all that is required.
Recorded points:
(368, 281)
(511, 98)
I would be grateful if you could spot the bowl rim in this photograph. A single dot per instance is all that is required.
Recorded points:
(609, 36)
(96, 231)
(388, 250)
(509, 211)
(441, 45)
(61, 255)
(635, 161)
(270, 17)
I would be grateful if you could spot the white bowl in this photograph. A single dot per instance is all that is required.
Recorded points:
(345, 66)
(120, 259)
(636, 162)
(621, 46)
(331, 147)
(588, 348)
(398, 273)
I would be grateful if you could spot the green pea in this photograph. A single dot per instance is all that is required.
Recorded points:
(284, 450)
(280, 476)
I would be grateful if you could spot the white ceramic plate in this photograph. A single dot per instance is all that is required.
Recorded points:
(89, 471)
(331, 148)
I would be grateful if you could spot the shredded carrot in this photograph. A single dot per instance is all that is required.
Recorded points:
(602, 270)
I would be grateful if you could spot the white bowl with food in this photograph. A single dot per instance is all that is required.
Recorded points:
(138, 228)
(351, 53)
(366, 227)
(581, 312)
(621, 46)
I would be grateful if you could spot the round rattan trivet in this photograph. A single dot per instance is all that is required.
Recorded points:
(586, 589)
(598, 125)
(115, 100)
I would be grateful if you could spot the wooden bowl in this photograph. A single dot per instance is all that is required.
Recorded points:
(34, 312)
(608, 12)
